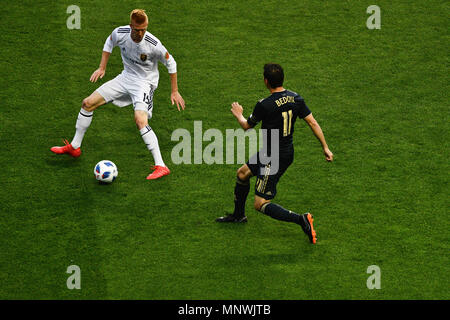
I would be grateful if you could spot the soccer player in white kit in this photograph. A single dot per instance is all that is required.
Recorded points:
(141, 51)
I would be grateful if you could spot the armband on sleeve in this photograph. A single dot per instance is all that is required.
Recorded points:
(111, 42)
(171, 64)
(108, 47)
(166, 58)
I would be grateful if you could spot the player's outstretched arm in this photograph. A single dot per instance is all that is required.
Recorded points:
(100, 72)
(237, 110)
(175, 96)
(315, 127)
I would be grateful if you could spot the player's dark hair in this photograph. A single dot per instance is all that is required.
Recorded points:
(274, 74)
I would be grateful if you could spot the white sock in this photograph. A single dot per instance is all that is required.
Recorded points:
(83, 122)
(150, 139)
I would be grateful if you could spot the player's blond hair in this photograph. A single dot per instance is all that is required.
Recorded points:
(139, 16)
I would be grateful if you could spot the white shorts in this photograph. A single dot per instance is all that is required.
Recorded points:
(122, 92)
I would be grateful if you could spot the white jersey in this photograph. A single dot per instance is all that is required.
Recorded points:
(140, 60)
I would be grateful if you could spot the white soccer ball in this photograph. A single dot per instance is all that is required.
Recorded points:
(106, 171)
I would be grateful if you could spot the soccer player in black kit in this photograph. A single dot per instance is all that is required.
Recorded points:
(277, 112)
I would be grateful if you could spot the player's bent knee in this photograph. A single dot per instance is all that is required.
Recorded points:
(92, 102)
(240, 174)
(243, 173)
(85, 104)
(141, 122)
(88, 105)
(259, 203)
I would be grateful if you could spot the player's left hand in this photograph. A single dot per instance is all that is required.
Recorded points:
(328, 154)
(176, 97)
(99, 73)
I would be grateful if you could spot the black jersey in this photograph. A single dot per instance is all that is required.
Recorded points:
(279, 112)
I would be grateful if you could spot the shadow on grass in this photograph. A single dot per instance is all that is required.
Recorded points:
(254, 260)
(230, 225)
(63, 161)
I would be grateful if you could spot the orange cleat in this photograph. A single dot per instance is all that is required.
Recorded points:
(159, 171)
(309, 228)
(67, 149)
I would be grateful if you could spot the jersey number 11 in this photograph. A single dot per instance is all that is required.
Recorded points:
(287, 122)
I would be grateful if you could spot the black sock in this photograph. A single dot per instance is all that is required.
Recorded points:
(240, 196)
(277, 212)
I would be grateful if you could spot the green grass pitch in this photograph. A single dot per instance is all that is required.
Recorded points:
(381, 97)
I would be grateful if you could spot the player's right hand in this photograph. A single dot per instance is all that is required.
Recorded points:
(99, 73)
(236, 109)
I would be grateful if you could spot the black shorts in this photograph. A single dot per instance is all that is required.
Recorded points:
(268, 174)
